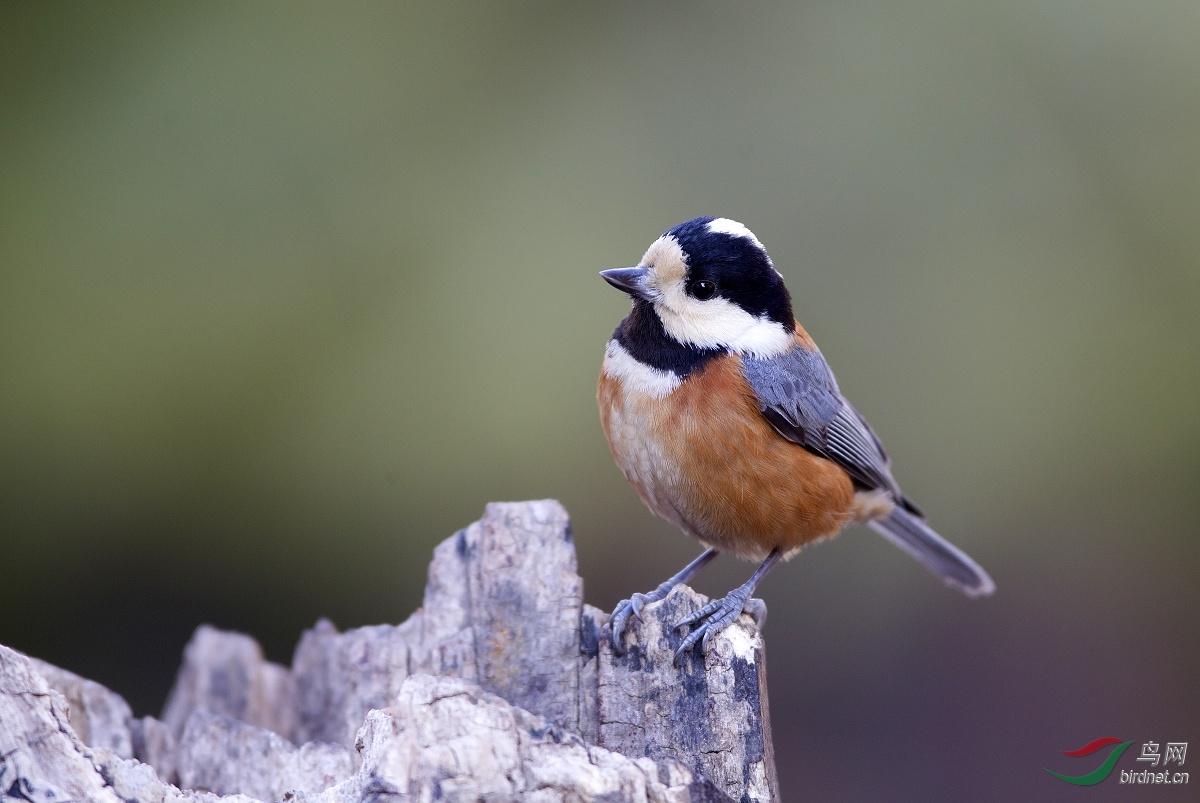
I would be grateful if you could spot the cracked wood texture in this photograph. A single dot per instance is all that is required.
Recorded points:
(501, 686)
(710, 712)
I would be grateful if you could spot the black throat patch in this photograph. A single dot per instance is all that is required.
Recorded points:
(643, 336)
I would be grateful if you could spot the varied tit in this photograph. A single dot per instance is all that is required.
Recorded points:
(728, 423)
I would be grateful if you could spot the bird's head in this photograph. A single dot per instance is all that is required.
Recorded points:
(712, 285)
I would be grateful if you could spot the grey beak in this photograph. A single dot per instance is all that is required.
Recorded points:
(628, 280)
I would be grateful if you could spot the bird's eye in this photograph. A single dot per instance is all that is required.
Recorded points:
(703, 289)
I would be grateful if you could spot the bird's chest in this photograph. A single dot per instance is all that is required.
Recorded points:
(638, 426)
(680, 442)
(703, 457)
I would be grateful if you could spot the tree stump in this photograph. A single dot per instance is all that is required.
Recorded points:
(502, 686)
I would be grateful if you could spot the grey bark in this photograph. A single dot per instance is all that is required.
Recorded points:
(710, 712)
(99, 716)
(448, 739)
(226, 756)
(501, 686)
(502, 608)
(225, 673)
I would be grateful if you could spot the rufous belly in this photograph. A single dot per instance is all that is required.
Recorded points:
(704, 458)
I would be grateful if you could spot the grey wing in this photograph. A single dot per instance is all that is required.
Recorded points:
(799, 396)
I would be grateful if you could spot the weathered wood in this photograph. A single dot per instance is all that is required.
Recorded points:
(41, 757)
(502, 608)
(710, 712)
(525, 598)
(225, 673)
(99, 716)
(442, 739)
(221, 755)
(502, 684)
(154, 745)
(448, 739)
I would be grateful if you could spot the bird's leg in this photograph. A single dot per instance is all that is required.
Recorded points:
(633, 606)
(718, 614)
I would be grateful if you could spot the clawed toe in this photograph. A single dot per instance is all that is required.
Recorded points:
(620, 617)
(757, 610)
(700, 613)
(633, 606)
(713, 618)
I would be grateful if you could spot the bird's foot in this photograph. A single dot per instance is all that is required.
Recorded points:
(633, 607)
(718, 615)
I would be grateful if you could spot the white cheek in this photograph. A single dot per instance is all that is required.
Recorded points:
(636, 376)
(718, 323)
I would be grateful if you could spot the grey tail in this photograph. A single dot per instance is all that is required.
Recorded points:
(941, 557)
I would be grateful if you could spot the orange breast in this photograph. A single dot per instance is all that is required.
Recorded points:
(704, 458)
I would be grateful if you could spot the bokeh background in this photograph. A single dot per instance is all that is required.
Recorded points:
(289, 292)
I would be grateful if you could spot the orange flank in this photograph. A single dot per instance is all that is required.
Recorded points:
(759, 492)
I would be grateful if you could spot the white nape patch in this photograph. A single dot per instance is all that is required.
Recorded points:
(724, 225)
(636, 376)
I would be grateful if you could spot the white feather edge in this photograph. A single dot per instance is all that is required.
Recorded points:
(636, 376)
(724, 225)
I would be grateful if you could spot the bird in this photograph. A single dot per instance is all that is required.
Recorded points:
(726, 419)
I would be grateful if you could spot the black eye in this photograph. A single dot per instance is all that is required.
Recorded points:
(703, 289)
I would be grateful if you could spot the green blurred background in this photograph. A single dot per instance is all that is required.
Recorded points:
(289, 292)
